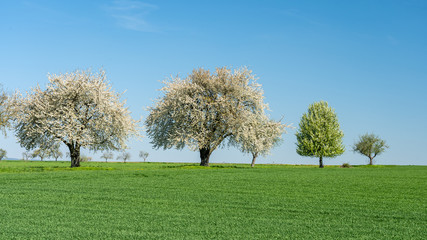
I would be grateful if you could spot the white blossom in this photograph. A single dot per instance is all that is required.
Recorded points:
(204, 109)
(79, 109)
(6, 110)
(259, 136)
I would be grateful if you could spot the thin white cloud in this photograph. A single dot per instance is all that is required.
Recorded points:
(132, 15)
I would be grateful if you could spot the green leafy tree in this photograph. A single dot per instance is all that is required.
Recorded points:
(370, 145)
(2, 154)
(319, 133)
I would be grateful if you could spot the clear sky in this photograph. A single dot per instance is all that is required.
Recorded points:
(367, 58)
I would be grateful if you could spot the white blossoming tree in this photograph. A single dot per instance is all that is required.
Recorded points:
(107, 155)
(55, 152)
(124, 156)
(6, 110)
(204, 109)
(259, 137)
(42, 153)
(143, 155)
(79, 109)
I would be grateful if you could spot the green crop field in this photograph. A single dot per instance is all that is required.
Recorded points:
(48, 200)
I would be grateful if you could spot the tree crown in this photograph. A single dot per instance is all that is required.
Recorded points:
(2, 153)
(107, 155)
(203, 109)
(319, 133)
(370, 145)
(7, 112)
(259, 136)
(78, 108)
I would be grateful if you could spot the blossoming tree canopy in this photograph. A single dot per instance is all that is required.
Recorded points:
(259, 137)
(6, 110)
(79, 109)
(204, 109)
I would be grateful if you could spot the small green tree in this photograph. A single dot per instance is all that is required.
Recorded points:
(107, 155)
(370, 145)
(2, 154)
(319, 133)
(143, 155)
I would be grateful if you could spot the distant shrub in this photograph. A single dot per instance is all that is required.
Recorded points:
(84, 158)
(345, 165)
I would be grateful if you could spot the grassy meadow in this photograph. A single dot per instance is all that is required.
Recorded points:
(49, 200)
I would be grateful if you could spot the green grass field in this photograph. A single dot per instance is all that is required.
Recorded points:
(48, 200)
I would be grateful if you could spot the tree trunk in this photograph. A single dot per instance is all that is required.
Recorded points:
(370, 160)
(321, 162)
(254, 156)
(75, 155)
(205, 153)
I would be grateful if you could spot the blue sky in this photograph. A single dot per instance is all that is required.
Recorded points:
(366, 58)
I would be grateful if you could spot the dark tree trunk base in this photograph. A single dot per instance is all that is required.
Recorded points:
(75, 155)
(254, 156)
(321, 162)
(204, 157)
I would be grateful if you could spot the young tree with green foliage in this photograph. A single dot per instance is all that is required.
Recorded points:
(2, 154)
(107, 155)
(370, 145)
(204, 109)
(143, 155)
(319, 134)
(79, 109)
